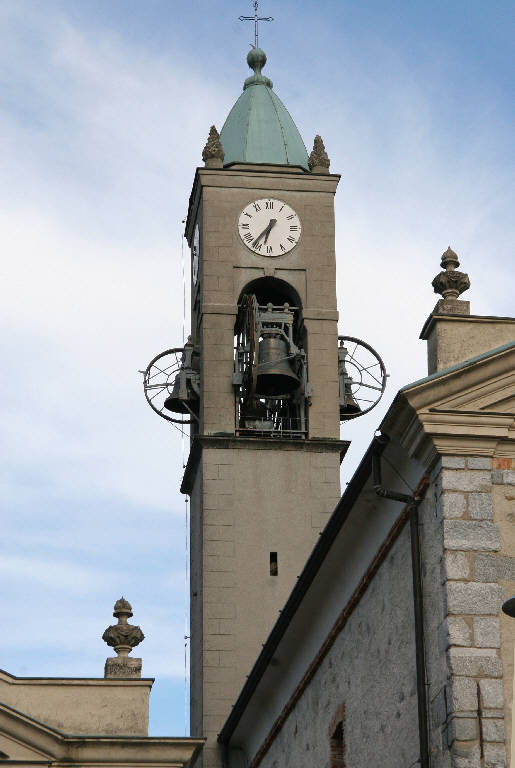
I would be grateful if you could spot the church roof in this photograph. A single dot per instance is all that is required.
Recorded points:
(259, 128)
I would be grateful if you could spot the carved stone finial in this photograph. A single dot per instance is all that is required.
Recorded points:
(123, 637)
(213, 153)
(318, 160)
(451, 283)
(122, 607)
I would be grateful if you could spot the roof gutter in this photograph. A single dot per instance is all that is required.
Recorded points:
(304, 581)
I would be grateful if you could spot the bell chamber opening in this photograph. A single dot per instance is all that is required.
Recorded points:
(270, 364)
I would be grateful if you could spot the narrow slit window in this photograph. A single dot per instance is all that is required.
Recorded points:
(274, 568)
(338, 747)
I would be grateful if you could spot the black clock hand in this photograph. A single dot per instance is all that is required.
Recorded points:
(266, 231)
(273, 222)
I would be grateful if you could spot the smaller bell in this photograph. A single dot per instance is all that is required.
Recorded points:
(183, 390)
(180, 394)
(348, 405)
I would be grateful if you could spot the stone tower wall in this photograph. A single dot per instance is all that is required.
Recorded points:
(227, 266)
(253, 497)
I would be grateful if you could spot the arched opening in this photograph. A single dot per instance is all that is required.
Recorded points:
(272, 290)
(270, 376)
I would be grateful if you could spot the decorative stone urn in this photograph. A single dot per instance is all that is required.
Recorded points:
(450, 284)
(123, 637)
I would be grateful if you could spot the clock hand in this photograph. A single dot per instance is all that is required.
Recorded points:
(266, 231)
(273, 222)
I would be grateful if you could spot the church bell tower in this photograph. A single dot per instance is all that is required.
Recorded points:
(262, 382)
(263, 470)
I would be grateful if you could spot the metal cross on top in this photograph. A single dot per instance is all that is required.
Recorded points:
(256, 19)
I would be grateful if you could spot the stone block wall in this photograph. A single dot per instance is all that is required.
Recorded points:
(257, 498)
(366, 682)
(469, 708)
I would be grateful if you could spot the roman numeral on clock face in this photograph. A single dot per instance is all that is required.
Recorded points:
(248, 237)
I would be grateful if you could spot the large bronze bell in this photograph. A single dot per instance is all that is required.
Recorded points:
(275, 375)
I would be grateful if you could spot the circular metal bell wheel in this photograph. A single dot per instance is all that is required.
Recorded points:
(158, 380)
(367, 374)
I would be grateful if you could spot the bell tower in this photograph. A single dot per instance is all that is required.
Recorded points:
(263, 470)
(263, 381)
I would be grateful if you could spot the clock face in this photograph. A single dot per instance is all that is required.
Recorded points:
(269, 227)
(195, 255)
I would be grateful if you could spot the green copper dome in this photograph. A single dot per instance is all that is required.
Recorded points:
(259, 128)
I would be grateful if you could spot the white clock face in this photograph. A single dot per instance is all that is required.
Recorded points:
(269, 227)
(195, 255)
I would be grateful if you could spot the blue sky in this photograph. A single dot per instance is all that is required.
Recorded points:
(104, 110)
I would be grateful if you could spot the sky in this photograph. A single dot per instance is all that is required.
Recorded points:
(104, 110)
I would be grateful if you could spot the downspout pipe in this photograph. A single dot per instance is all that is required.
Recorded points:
(412, 503)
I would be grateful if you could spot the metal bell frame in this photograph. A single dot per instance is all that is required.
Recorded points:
(265, 379)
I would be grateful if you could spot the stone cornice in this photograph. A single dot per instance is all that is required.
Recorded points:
(99, 750)
(260, 443)
(6, 677)
(463, 378)
(455, 318)
(463, 411)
